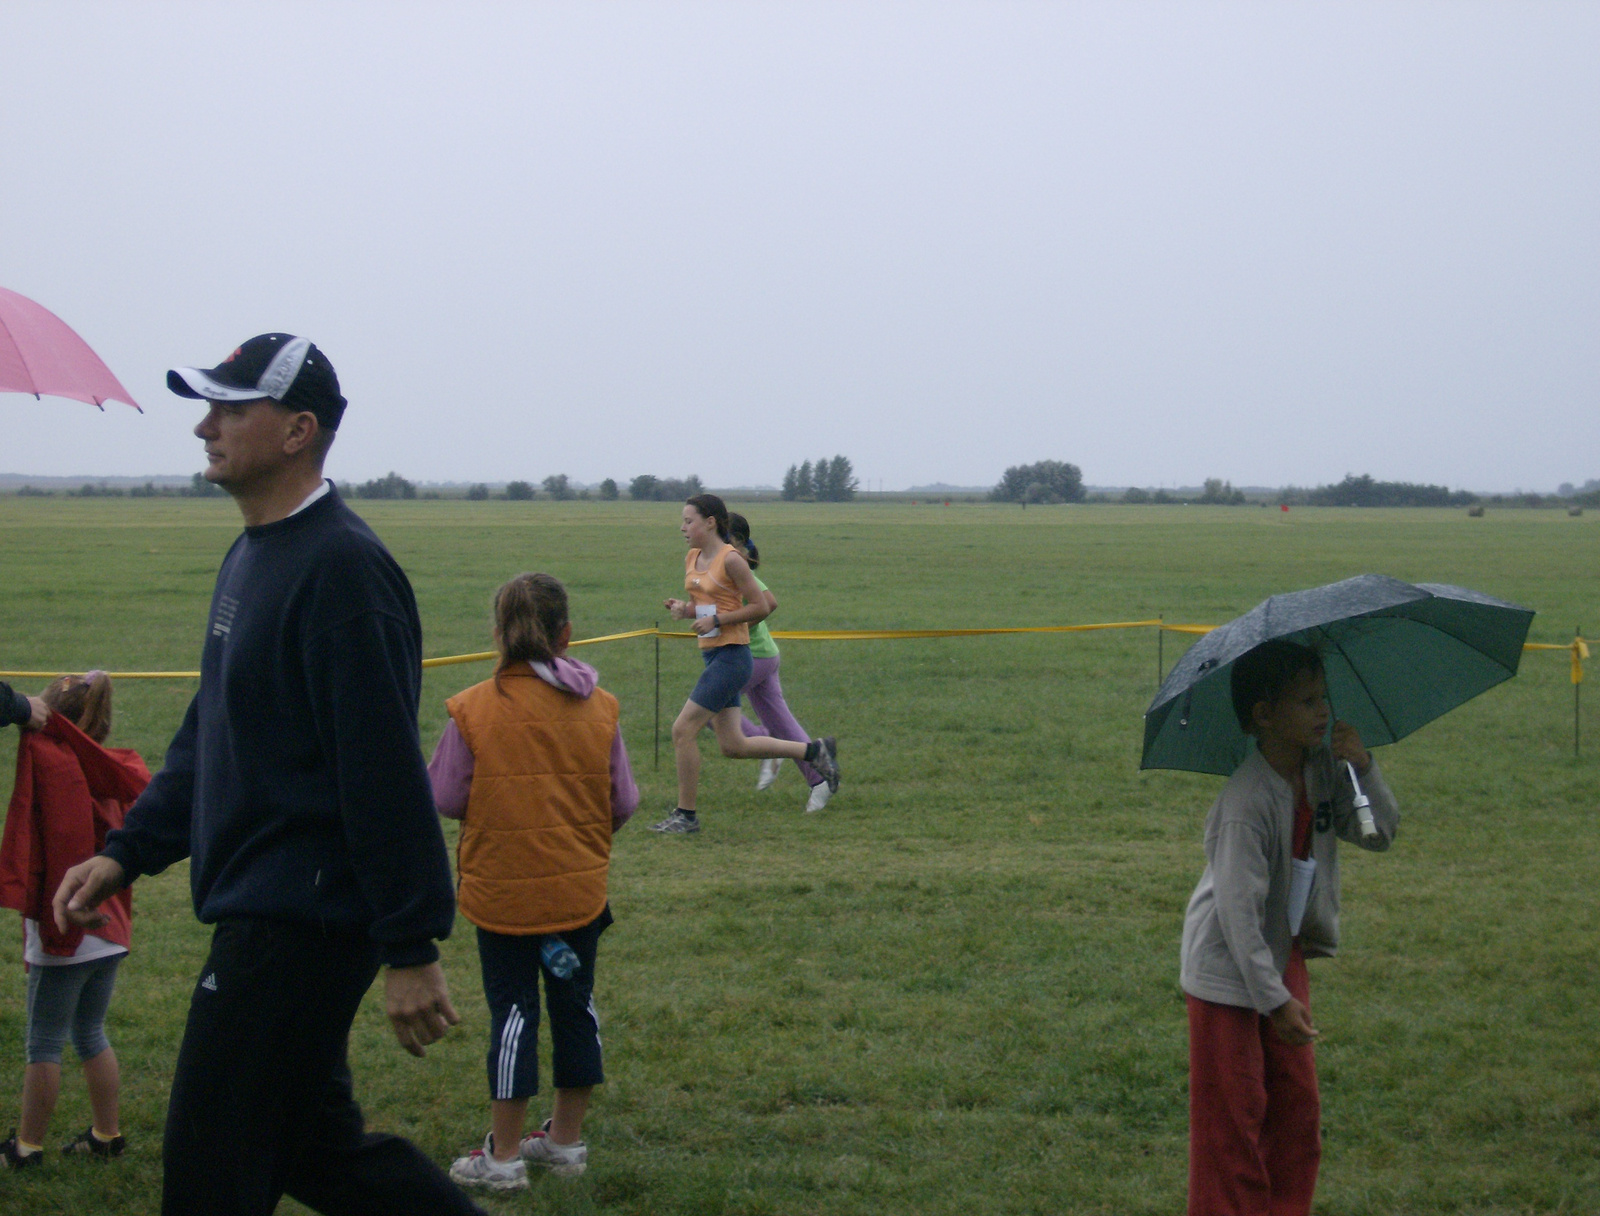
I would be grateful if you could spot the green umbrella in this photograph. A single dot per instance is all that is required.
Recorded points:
(1397, 655)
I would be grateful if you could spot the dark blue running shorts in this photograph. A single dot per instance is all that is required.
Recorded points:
(727, 670)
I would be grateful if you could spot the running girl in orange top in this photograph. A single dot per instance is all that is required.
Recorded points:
(718, 582)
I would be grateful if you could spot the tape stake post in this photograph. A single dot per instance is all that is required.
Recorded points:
(1161, 638)
(1578, 649)
(657, 629)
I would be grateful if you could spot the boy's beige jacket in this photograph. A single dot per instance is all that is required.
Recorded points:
(1236, 932)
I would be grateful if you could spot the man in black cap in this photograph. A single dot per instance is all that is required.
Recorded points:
(297, 789)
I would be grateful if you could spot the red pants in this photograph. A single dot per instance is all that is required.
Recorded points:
(1254, 1113)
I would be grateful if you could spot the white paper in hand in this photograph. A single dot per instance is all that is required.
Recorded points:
(707, 610)
(1301, 877)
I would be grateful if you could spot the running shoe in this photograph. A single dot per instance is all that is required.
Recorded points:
(479, 1168)
(769, 774)
(827, 763)
(677, 824)
(562, 1160)
(16, 1160)
(87, 1144)
(820, 793)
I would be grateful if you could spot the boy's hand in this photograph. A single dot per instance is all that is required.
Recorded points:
(1292, 1022)
(38, 714)
(1347, 746)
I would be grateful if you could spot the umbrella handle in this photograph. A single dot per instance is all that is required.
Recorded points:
(1362, 804)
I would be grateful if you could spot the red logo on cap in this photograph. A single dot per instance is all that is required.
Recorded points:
(235, 355)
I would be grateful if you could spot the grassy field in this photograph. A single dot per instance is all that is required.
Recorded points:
(955, 990)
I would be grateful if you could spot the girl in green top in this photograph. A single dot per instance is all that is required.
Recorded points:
(763, 689)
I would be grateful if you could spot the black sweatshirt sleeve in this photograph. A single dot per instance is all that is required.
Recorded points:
(14, 707)
(156, 831)
(364, 679)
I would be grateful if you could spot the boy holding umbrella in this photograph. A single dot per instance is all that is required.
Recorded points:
(1267, 901)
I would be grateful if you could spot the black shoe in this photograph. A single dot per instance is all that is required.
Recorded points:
(87, 1144)
(18, 1161)
(827, 763)
(677, 824)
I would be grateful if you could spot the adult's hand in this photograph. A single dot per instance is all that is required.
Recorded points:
(1292, 1022)
(39, 716)
(418, 1003)
(83, 889)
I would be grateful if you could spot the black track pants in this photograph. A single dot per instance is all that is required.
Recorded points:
(261, 1097)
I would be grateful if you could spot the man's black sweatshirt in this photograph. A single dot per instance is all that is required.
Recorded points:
(296, 782)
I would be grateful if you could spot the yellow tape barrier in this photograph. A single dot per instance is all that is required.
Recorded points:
(1578, 648)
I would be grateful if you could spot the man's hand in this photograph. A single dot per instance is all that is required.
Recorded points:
(1347, 746)
(1292, 1022)
(39, 716)
(418, 1003)
(83, 889)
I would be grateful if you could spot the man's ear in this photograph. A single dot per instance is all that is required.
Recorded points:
(301, 433)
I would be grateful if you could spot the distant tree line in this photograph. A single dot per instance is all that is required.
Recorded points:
(1363, 491)
(198, 487)
(648, 488)
(1353, 491)
(392, 486)
(825, 481)
(1049, 481)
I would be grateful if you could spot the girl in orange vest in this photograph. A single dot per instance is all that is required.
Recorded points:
(533, 765)
(724, 600)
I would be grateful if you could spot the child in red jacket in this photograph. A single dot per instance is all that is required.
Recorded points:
(70, 791)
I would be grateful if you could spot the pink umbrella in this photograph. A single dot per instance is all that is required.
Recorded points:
(39, 353)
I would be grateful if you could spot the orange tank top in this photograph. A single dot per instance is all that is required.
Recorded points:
(713, 586)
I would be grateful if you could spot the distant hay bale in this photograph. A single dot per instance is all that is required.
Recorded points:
(1475, 512)
(1574, 511)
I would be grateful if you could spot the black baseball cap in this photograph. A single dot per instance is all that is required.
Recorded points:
(290, 370)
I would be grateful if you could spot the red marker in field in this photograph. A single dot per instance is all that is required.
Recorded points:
(1284, 507)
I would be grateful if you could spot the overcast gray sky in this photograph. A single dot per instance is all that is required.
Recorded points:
(1271, 242)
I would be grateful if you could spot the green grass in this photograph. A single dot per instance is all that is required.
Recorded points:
(955, 991)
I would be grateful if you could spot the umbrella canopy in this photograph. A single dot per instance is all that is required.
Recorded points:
(39, 353)
(1398, 655)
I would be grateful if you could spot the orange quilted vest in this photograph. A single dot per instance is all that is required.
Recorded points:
(536, 841)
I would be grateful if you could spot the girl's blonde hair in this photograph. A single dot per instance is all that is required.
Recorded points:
(84, 701)
(529, 612)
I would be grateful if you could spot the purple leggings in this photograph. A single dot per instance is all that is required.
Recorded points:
(766, 698)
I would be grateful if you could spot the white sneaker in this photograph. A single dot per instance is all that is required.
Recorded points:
(479, 1168)
(562, 1160)
(769, 773)
(820, 793)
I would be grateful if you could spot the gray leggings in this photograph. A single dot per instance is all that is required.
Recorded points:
(73, 996)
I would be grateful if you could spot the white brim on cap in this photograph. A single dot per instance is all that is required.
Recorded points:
(274, 382)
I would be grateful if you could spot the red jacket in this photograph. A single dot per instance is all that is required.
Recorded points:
(69, 793)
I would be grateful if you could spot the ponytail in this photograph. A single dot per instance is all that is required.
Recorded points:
(529, 612)
(739, 538)
(84, 700)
